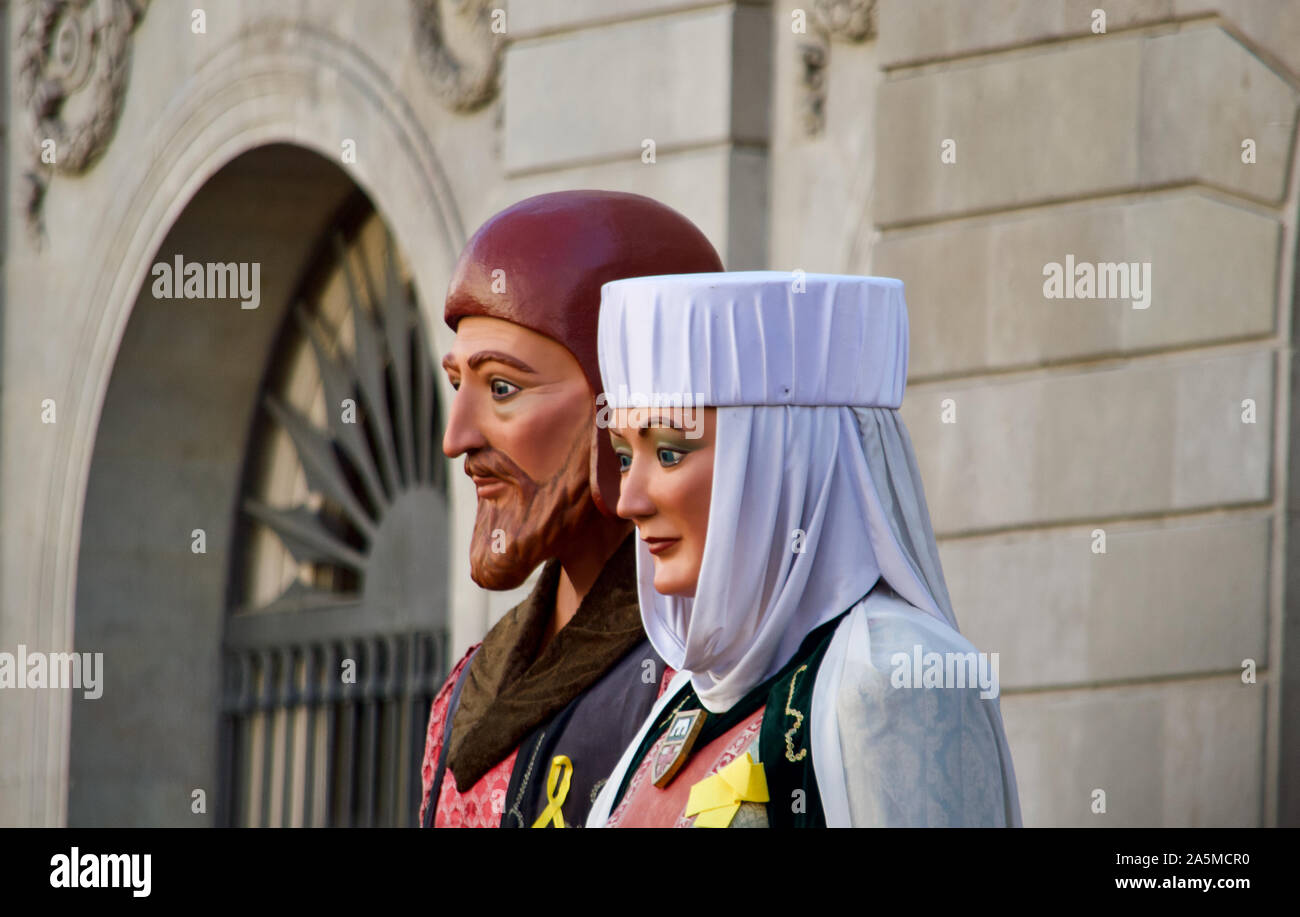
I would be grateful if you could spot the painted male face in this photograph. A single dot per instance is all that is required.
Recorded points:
(522, 417)
(666, 486)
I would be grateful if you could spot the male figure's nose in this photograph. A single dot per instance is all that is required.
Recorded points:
(462, 434)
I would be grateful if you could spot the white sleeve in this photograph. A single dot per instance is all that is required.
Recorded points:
(909, 756)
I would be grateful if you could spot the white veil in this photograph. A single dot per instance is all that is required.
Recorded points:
(798, 533)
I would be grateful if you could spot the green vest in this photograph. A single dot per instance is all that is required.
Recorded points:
(784, 740)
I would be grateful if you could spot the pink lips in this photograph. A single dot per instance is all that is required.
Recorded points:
(659, 545)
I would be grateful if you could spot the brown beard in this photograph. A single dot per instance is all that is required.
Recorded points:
(533, 517)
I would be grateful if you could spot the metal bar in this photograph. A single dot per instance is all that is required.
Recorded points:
(265, 692)
(414, 758)
(369, 711)
(422, 704)
(289, 696)
(412, 783)
(235, 787)
(433, 676)
(241, 814)
(311, 704)
(391, 739)
(346, 750)
(226, 739)
(382, 789)
(241, 797)
(330, 688)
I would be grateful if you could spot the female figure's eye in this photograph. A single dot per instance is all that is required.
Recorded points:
(502, 389)
(669, 457)
(624, 462)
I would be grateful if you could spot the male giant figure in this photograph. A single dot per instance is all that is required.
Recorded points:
(541, 710)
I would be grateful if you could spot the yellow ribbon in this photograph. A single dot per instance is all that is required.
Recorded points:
(561, 772)
(717, 799)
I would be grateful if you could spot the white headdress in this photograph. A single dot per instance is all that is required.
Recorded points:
(816, 493)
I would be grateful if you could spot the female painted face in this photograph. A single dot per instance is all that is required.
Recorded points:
(666, 484)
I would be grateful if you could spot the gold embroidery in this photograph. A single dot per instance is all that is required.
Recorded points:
(669, 718)
(528, 773)
(798, 721)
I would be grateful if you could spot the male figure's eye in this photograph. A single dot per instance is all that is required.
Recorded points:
(502, 389)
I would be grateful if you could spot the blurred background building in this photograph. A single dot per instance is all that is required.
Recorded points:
(239, 506)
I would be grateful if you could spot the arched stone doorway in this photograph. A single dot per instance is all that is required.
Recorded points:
(262, 577)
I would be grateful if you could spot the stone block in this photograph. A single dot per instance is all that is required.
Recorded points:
(1025, 129)
(916, 31)
(1213, 277)
(1176, 597)
(567, 96)
(1158, 436)
(1176, 754)
(1090, 118)
(1203, 95)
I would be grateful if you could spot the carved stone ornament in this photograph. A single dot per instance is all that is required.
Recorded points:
(460, 44)
(73, 62)
(850, 20)
(853, 20)
(812, 80)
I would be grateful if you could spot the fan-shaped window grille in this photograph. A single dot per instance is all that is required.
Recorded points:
(335, 639)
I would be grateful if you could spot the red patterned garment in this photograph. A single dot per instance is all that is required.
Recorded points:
(483, 804)
(645, 805)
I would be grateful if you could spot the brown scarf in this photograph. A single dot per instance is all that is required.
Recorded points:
(510, 690)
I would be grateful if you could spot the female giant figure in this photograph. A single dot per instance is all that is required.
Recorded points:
(787, 567)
